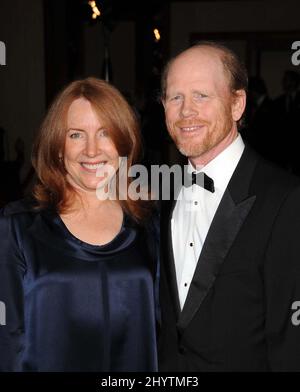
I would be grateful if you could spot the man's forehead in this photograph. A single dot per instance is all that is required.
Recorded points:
(203, 55)
(204, 62)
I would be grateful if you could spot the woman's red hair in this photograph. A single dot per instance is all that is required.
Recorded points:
(52, 189)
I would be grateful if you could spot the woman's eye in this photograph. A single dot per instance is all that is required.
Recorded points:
(75, 135)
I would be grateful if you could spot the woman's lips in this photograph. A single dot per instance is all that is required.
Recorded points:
(92, 167)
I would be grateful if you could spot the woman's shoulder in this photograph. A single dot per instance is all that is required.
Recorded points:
(26, 205)
(17, 207)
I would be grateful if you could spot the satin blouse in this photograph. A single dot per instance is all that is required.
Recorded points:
(72, 306)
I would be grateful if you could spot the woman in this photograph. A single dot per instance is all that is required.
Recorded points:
(76, 270)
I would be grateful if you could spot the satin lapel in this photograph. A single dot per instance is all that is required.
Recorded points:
(231, 213)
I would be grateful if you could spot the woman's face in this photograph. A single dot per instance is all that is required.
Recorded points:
(90, 156)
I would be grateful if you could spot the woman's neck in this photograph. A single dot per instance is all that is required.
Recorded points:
(86, 203)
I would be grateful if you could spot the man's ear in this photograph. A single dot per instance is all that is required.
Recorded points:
(238, 104)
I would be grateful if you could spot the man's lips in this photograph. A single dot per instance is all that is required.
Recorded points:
(191, 128)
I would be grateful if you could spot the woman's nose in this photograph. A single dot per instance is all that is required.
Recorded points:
(92, 147)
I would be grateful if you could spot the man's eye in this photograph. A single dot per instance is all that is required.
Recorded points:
(103, 132)
(176, 98)
(200, 96)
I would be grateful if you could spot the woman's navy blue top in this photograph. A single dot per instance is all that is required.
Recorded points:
(71, 306)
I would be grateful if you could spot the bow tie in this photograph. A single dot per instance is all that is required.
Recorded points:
(202, 180)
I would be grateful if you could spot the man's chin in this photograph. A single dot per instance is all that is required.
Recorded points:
(190, 151)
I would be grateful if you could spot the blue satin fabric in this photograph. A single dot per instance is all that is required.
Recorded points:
(72, 306)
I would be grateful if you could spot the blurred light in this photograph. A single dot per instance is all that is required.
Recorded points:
(156, 35)
(96, 11)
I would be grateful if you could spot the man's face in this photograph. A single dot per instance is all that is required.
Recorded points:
(201, 112)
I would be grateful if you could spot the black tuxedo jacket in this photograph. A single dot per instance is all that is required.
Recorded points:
(240, 313)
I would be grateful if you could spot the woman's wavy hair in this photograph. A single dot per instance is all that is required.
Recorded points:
(52, 189)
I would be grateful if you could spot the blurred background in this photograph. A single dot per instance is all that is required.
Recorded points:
(52, 42)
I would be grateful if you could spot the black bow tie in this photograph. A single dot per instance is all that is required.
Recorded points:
(200, 179)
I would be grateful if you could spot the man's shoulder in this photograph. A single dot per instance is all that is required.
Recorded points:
(272, 180)
(276, 174)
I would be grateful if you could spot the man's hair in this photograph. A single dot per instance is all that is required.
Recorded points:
(53, 189)
(233, 66)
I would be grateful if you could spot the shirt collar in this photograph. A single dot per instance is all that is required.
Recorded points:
(221, 168)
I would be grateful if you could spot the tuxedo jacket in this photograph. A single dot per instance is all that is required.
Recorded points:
(241, 311)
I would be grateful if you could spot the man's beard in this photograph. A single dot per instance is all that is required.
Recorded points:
(192, 149)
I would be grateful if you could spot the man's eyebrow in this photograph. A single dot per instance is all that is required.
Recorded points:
(175, 92)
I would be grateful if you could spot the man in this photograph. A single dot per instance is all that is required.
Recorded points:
(230, 279)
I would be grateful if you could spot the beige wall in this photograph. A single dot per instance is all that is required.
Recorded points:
(22, 84)
(122, 53)
(123, 56)
(239, 16)
(22, 91)
(219, 16)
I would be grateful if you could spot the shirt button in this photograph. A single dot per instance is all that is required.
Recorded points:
(196, 203)
(185, 284)
(191, 244)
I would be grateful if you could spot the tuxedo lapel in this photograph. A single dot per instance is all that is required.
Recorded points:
(167, 248)
(230, 215)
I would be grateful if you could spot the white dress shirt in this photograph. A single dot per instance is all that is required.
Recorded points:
(194, 212)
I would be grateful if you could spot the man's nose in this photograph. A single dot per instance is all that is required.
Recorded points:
(188, 108)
